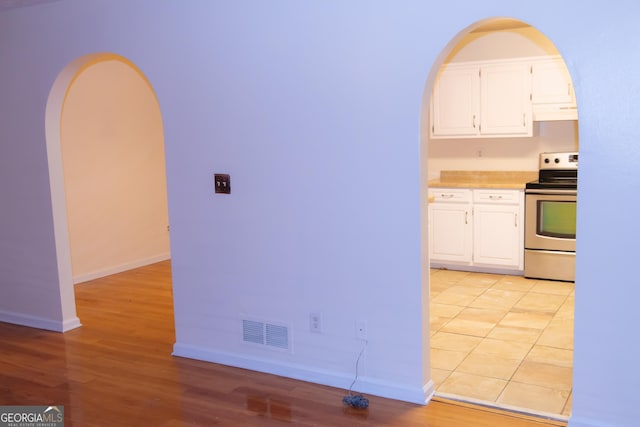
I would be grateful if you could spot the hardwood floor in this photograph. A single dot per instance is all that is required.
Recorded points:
(117, 370)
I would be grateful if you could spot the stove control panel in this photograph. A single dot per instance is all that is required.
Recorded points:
(564, 160)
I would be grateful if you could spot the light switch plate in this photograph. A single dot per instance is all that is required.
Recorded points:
(222, 183)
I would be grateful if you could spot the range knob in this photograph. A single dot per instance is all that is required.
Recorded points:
(546, 160)
(557, 160)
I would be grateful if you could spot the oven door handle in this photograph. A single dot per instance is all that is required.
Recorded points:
(552, 191)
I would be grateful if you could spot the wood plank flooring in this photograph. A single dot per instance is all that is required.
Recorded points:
(117, 370)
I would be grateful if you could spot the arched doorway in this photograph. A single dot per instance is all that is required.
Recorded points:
(107, 169)
(490, 342)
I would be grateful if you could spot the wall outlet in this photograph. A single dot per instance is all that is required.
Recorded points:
(315, 322)
(361, 329)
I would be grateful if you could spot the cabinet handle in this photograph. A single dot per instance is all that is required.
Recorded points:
(447, 196)
(516, 221)
(474, 121)
(466, 217)
(568, 88)
(524, 122)
(494, 197)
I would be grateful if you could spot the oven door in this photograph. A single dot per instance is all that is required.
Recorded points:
(550, 220)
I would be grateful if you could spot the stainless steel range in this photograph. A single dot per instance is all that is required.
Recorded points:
(550, 218)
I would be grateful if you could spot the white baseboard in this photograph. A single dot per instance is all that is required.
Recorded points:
(70, 324)
(39, 322)
(419, 395)
(477, 268)
(120, 268)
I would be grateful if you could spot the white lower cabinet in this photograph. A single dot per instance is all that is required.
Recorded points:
(477, 229)
(450, 231)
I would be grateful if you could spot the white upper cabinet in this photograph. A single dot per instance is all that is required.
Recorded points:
(456, 101)
(505, 100)
(553, 96)
(476, 100)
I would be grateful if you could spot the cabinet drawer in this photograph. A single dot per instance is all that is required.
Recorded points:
(505, 197)
(451, 195)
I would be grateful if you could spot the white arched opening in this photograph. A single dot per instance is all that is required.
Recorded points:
(107, 171)
(508, 38)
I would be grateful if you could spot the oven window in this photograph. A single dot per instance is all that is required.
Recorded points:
(557, 219)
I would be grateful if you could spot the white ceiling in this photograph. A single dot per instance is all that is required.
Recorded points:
(12, 4)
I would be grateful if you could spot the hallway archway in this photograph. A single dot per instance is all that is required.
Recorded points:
(107, 170)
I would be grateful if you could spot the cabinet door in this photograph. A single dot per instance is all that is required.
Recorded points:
(505, 100)
(497, 231)
(552, 91)
(456, 102)
(450, 232)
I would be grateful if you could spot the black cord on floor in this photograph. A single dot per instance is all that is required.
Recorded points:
(356, 400)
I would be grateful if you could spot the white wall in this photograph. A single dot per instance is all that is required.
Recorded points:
(315, 109)
(114, 167)
(509, 154)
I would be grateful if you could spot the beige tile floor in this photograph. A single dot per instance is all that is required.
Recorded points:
(502, 340)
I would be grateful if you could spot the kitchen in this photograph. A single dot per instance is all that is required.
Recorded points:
(502, 321)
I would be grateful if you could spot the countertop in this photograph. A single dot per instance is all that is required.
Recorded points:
(484, 179)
